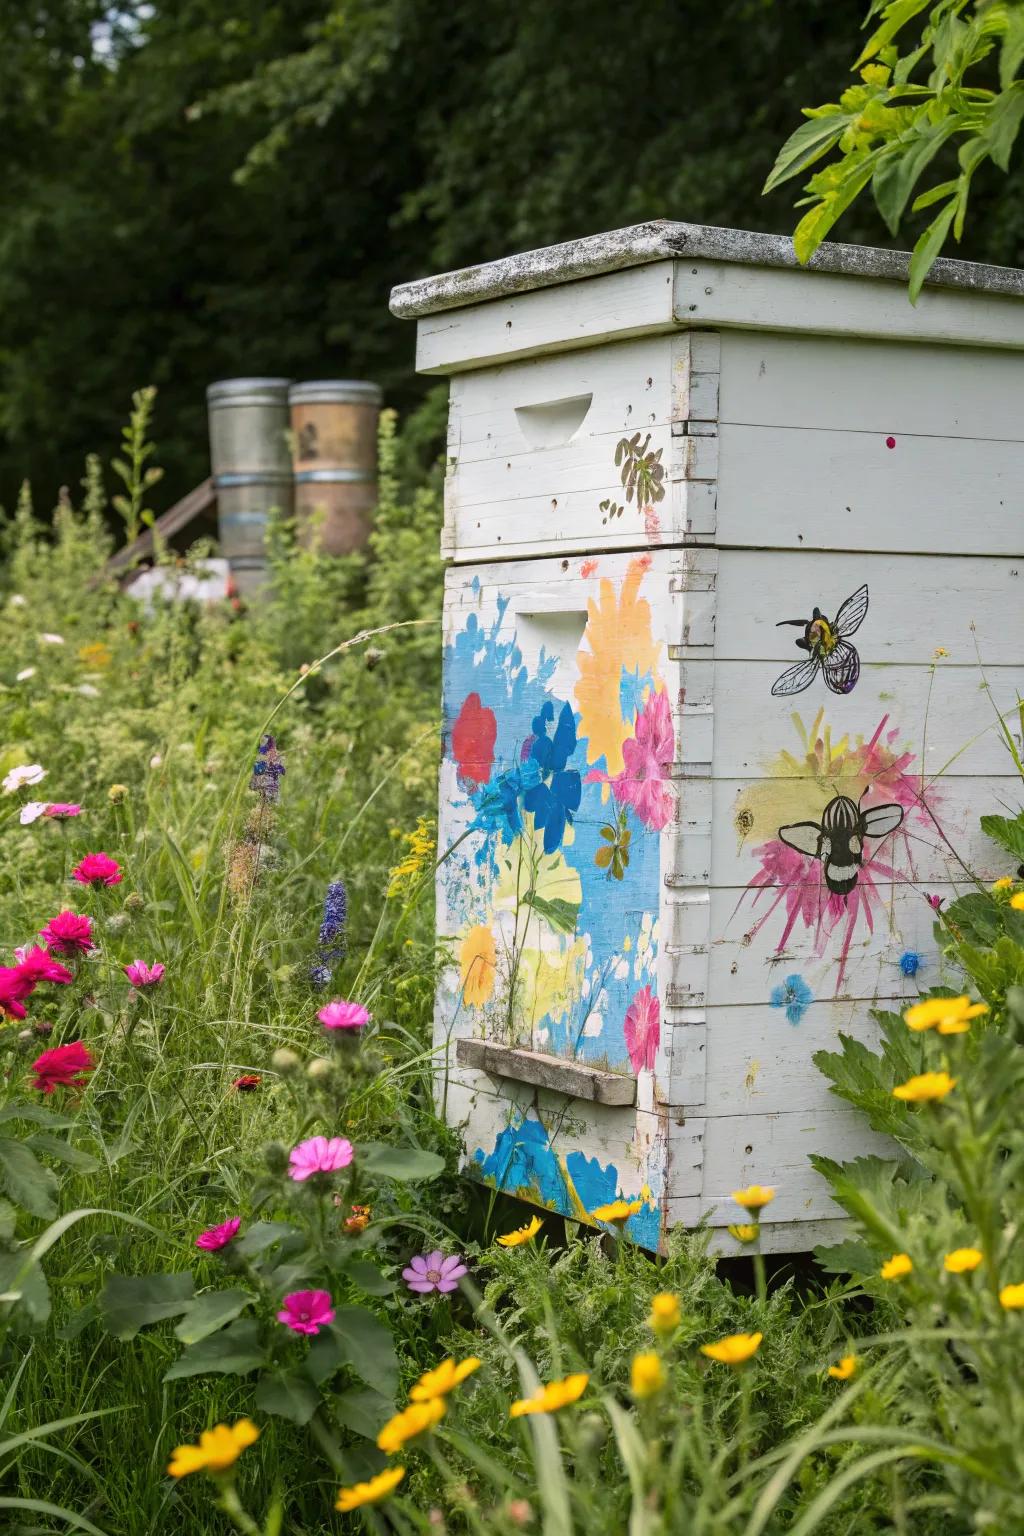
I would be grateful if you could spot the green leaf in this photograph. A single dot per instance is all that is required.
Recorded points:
(901, 166)
(363, 1411)
(976, 918)
(1007, 832)
(287, 1395)
(210, 1312)
(24, 1282)
(817, 222)
(63, 1151)
(35, 1114)
(26, 1180)
(369, 1278)
(897, 14)
(561, 914)
(131, 1302)
(234, 1351)
(1003, 125)
(261, 1236)
(368, 1347)
(805, 146)
(847, 1258)
(402, 1163)
(927, 249)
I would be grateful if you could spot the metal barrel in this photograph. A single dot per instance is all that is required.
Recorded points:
(251, 463)
(334, 442)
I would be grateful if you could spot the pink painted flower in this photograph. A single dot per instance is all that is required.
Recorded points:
(434, 1272)
(62, 810)
(341, 1015)
(643, 1029)
(307, 1311)
(15, 987)
(647, 757)
(97, 869)
(215, 1238)
(66, 1066)
(318, 1155)
(38, 965)
(68, 934)
(142, 975)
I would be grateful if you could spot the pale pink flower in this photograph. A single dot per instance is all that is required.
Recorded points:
(307, 1311)
(647, 758)
(21, 777)
(434, 1272)
(142, 975)
(318, 1155)
(215, 1238)
(643, 1029)
(31, 811)
(342, 1015)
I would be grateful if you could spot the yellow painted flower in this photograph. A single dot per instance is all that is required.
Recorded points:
(848, 1366)
(950, 1015)
(745, 1231)
(925, 1088)
(755, 1197)
(665, 1315)
(618, 637)
(96, 654)
(548, 1399)
(1012, 1297)
(218, 1449)
(647, 1375)
(962, 1260)
(897, 1267)
(1002, 885)
(444, 1378)
(412, 1421)
(735, 1349)
(477, 964)
(379, 1487)
(1017, 902)
(521, 1234)
(617, 1210)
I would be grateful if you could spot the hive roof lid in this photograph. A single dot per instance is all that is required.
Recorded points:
(662, 239)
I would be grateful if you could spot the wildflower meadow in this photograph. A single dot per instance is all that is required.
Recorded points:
(242, 1283)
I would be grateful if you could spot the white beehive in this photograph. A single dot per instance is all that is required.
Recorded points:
(692, 839)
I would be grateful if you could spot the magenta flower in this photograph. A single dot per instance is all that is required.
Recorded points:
(97, 869)
(935, 902)
(66, 1066)
(643, 1029)
(647, 759)
(215, 1238)
(68, 934)
(318, 1155)
(37, 965)
(15, 987)
(341, 1015)
(142, 975)
(434, 1272)
(61, 810)
(306, 1311)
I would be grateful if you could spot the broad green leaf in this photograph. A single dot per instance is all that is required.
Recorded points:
(131, 1302)
(26, 1180)
(234, 1351)
(402, 1163)
(847, 1258)
(363, 1411)
(63, 1151)
(210, 1312)
(561, 914)
(897, 14)
(288, 1395)
(901, 166)
(261, 1236)
(368, 1347)
(805, 146)
(976, 917)
(369, 1278)
(1011, 57)
(927, 249)
(1007, 831)
(1003, 125)
(23, 1283)
(36, 1115)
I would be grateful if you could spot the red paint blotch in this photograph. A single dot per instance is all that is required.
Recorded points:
(588, 567)
(890, 442)
(473, 737)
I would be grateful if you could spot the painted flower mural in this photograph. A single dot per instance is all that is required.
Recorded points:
(643, 1029)
(795, 996)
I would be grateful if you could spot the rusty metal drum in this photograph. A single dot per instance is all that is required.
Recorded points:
(251, 463)
(334, 443)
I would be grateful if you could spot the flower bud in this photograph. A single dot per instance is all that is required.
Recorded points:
(285, 1061)
(592, 1433)
(133, 902)
(319, 1067)
(276, 1157)
(117, 794)
(117, 922)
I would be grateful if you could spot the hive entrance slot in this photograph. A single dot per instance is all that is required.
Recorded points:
(554, 423)
(555, 634)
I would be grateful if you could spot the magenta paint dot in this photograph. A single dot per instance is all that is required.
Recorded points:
(890, 442)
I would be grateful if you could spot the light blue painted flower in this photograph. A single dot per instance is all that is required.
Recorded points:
(795, 996)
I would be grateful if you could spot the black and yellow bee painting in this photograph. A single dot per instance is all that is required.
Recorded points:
(830, 651)
(838, 839)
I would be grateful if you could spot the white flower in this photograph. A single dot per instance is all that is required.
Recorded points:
(25, 674)
(16, 600)
(87, 691)
(156, 761)
(28, 773)
(32, 811)
(48, 639)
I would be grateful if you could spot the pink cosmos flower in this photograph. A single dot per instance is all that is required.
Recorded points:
(215, 1238)
(37, 965)
(68, 933)
(341, 1015)
(97, 869)
(434, 1272)
(142, 975)
(15, 986)
(647, 757)
(62, 810)
(66, 1066)
(318, 1155)
(643, 1029)
(306, 1311)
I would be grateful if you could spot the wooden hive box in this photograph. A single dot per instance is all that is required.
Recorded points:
(735, 599)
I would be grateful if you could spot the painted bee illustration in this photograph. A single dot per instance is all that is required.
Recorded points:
(838, 840)
(829, 648)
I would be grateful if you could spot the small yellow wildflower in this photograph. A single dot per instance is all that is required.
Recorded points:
(647, 1375)
(1017, 902)
(379, 1487)
(1012, 1297)
(117, 794)
(745, 1232)
(940, 650)
(617, 1210)
(925, 1088)
(897, 1267)
(548, 1399)
(949, 1015)
(218, 1449)
(733, 1350)
(420, 847)
(665, 1315)
(444, 1378)
(847, 1367)
(412, 1421)
(755, 1197)
(521, 1234)
(962, 1260)
(1003, 884)
(95, 655)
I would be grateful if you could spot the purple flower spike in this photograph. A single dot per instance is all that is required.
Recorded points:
(434, 1272)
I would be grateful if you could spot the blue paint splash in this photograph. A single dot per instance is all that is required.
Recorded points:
(795, 996)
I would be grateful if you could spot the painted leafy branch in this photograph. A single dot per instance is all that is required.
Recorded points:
(642, 472)
(614, 854)
(909, 106)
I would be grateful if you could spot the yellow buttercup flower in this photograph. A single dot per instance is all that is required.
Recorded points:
(665, 1315)
(647, 1375)
(962, 1260)
(618, 1210)
(895, 1268)
(1012, 1297)
(755, 1197)
(848, 1366)
(444, 1378)
(1003, 884)
(218, 1449)
(950, 1015)
(734, 1349)
(1017, 902)
(745, 1232)
(95, 655)
(379, 1487)
(548, 1399)
(521, 1234)
(412, 1421)
(925, 1088)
